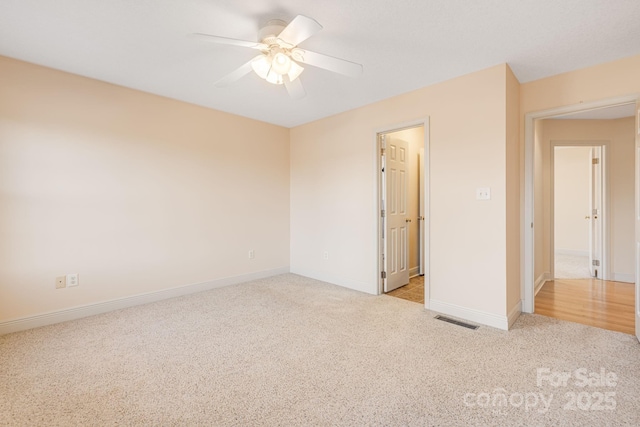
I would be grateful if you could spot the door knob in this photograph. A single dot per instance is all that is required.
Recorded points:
(407, 220)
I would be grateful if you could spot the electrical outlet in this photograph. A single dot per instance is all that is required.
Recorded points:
(72, 280)
(61, 282)
(325, 255)
(252, 254)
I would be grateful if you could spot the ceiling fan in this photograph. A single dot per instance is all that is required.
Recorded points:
(280, 57)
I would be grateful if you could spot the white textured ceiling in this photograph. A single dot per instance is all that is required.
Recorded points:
(403, 45)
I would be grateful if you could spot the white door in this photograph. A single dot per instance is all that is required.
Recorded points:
(397, 230)
(595, 214)
(638, 222)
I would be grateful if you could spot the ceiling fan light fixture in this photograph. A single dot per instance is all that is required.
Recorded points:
(261, 65)
(274, 78)
(281, 63)
(272, 67)
(297, 54)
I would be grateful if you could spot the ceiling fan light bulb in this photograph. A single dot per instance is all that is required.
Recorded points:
(281, 63)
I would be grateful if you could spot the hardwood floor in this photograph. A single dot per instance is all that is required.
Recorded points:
(604, 304)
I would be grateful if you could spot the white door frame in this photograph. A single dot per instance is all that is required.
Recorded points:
(424, 123)
(604, 215)
(527, 261)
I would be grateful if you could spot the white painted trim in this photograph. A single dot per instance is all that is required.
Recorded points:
(528, 259)
(425, 123)
(541, 280)
(471, 315)
(355, 285)
(426, 260)
(78, 312)
(415, 271)
(514, 313)
(571, 252)
(528, 287)
(623, 277)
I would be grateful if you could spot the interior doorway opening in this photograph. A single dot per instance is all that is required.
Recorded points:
(402, 211)
(608, 298)
(579, 238)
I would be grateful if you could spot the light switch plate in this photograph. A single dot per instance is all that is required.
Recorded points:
(72, 280)
(483, 193)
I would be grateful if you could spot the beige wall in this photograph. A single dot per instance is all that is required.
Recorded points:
(414, 138)
(618, 78)
(134, 192)
(597, 83)
(138, 193)
(333, 181)
(620, 135)
(571, 176)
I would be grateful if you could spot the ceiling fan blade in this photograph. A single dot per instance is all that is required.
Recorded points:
(295, 88)
(298, 30)
(330, 63)
(235, 75)
(228, 41)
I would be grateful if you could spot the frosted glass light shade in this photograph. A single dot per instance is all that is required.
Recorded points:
(272, 68)
(281, 63)
(274, 78)
(294, 71)
(262, 65)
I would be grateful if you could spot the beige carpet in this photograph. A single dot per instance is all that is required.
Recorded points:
(294, 351)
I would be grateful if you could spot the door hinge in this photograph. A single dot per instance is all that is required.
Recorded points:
(383, 274)
(382, 151)
(595, 161)
(595, 263)
(383, 213)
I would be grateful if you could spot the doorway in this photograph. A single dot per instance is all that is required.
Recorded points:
(403, 223)
(608, 297)
(579, 210)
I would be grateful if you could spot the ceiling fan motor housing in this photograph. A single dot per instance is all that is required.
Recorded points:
(271, 30)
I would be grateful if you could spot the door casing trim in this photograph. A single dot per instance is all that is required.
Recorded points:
(527, 260)
(424, 123)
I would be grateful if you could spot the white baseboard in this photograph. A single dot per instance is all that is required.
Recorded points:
(514, 313)
(571, 252)
(356, 285)
(73, 313)
(540, 281)
(622, 277)
(469, 314)
(415, 271)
